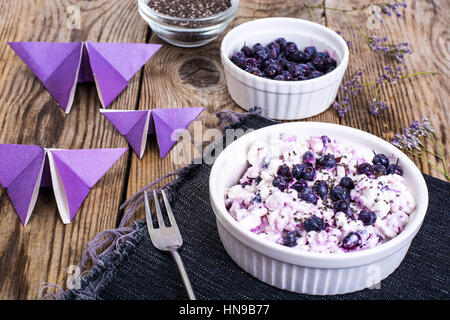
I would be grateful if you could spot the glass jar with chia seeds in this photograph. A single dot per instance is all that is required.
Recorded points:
(188, 23)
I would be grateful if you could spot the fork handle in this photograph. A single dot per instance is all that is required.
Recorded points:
(184, 276)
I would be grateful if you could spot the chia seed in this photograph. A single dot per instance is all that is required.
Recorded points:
(190, 9)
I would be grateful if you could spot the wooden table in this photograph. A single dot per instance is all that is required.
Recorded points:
(174, 77)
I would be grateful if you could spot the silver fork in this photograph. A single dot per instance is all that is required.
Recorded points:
(167, 238)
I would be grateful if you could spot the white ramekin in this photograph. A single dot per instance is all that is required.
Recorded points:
(284, 100)
(309, 272)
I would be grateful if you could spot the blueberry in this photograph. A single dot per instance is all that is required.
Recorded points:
(257, 198)
(327, 161)
(380, 158)
(291, 238)
(308, 173)
(304, 69)
(321, 188)
(379, 170)
(341, 206)
(301, 78)
(325, 140)
(281, 41)
(331, 63)
(351, 241)
(298, 169)
(310, 50)
(279, 77)
(367, 217)
(264, 64)
(315, 74)
(364, 168)
(308, 195)
(274, 46)
(299, 185)
(314, 224)
(285, 172)
(280, 183)
(254, 71)
(322, 54)
(257, 47)
(272, 52)
(272, 70)
(295, 71)
(249, 63)
(296, 56)
(258, 179)
(308, 157)
(395, 169)
(290, 47)
(340, 193)
(237, 57)
(287, 75)
(320, 62)
(261, 55)
(247, 51)
(347, 183)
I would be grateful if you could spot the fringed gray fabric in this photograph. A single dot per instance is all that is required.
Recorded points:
(107, 246)
(229, 117)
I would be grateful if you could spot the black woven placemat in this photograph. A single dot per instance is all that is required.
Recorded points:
(137, 270)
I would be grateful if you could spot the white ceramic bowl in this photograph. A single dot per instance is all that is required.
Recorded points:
(284, 100)
(310, 272)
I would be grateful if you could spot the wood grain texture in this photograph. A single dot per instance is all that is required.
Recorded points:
(174, 77)
(425, 26)
(43, 250)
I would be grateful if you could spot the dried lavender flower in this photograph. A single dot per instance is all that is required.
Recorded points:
(347, 90)
(377, 105)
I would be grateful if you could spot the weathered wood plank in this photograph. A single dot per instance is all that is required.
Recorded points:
(43, 250)
(424, 26)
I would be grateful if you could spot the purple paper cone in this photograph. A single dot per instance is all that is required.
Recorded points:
(19, 173)
(126, 58)
(46, 181)
(110, 83)
(55, 64)
(137, 135)
(75, 188)
(85, 74)
(167, 121)
(130, 124)
(81, 169)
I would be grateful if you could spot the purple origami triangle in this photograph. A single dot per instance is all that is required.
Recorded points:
(131, 124)
(20, 175)
(75, 188)
(55, 64)
(61, 65)
(126, 58)
(110, 83)
(163, 122)
(167, 121)
(89, 164)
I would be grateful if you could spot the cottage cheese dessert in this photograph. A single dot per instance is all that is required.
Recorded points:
(320, 195)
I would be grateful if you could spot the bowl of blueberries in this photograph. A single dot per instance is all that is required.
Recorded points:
(291, 68)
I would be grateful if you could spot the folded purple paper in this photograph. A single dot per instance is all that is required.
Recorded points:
(71, 173)
(60, 66)
(135, 125)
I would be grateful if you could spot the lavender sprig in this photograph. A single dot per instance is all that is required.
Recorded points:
(397, 51)
(347, 91)
(412, 142)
